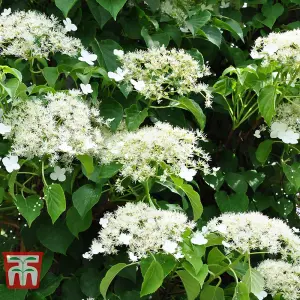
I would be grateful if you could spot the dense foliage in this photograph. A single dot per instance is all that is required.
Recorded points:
(151, 148)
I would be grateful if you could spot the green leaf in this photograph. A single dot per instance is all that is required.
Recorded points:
(9, 70)
(213, 34)
(200, 275)
(109, 277)
(153, 278)
(263, 151)
(89, 282)
(241, 292)
(231, 26)
(266, 103)
(11, 294)
(77, 224)
(293, 174)
(112, 109)
(197, 21)
(254, 178)
(108, 171)
(51, 75)
(87, 163)
(135, 117)
(65, 5)
(85, 198)
(254, 281)
(232, 203)
(100, 14)
(193, 256)
(11, 86)
(153, 4)
(214, 182)
(215, 256)
(113, 6)
(46, 263)
(104, 50)
(56, 237)
(193, 107)
(167, 262)
(191, 285)
(271, 12)
(236, 182)
(174, 33)
(29, 208)
(55, 200)
(49, 284)
(212, 293)
(193, 196)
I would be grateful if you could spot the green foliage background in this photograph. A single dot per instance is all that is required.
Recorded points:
(254, 175)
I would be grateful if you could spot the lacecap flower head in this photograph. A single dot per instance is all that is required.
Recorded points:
(141, 229)
(58, 126)
(33, 34)
(158, 73)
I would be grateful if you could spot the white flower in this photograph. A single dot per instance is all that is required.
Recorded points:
(187, 174)
(97, 248)
(184, 29)
(88, 57)
(178, 255)
(28, 34)
(138, 85)
(11, 163)
(170, 246)
(204, 229)
(87, 255)
(125, 238)
(198, 239)
(58, 174)
(164, 144)
(222, 228)
(257, 134)
(256, 55)
(64, 147)
(129, 227)
(270, 49)
(6, 12)
(4, 128)
(132, 257)
(248, 232)
(261, 295)
(103, 222)
(277, 129)
(289, 137)
(225, 244)
(119, 53)
(245, 5)
(224, 4)
(86, 88)
(69, 26)
(281, 277)
(118, 76)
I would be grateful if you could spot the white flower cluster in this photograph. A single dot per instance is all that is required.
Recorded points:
(177, 9)
(281, 277)
(141, 152)
(33, 34)
(141, 229)
(59, 127)
(247, 232)
(286, 124)
(282, 48)
(158, 73)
